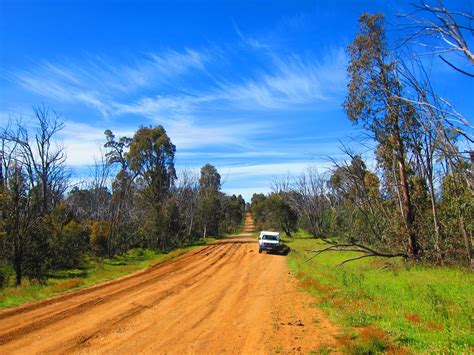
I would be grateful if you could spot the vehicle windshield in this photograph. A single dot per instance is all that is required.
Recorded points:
(270, 237)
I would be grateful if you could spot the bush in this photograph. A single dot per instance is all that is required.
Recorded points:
(69, 244)
(6, 275)
(99, 237)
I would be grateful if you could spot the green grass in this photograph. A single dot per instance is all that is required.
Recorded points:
(382, 303)
(92, 273)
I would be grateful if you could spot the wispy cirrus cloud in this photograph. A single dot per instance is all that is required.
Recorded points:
(99, 82)
(292, 82)
(84, 141)
(286, 82)
(162, 108)
(250, 41)
(275, 169)
(189, 134)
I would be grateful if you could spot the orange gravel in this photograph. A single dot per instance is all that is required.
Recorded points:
(223, 297)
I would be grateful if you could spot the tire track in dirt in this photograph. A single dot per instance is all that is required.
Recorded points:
(109, 325)
(38, 322)
(61, 298)
(113, 284)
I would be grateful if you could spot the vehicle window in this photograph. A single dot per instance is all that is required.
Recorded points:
(270, 237)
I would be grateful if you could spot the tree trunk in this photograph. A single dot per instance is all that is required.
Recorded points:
(18, 273)
(190, 231)
(434, 208)
(45, 194)
(1, 171)
(467, 243)
(406, 200)
(471, 180)
(286, 230)
(17, 263)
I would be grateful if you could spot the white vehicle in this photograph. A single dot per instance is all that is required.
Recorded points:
(269, 241)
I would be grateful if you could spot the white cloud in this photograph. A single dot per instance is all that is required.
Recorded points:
(273, 169)
(249, 41)
(187, 134)
(84, 142)
(259, 176)
(288, 82)
(160, 108)
(99, 82)
(240, 154)
(291, 83)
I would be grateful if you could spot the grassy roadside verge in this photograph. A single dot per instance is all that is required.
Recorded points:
(92, 273)
(384, 305)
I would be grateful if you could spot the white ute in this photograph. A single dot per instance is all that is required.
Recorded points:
(269, 241)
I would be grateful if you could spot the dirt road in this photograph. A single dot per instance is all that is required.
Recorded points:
(223, 297)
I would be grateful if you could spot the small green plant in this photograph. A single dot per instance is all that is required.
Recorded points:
(323, 350)
(361, 318)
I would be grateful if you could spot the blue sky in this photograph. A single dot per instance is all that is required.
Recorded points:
(252, 87)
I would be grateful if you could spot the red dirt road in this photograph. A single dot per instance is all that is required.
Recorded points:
(224, 297)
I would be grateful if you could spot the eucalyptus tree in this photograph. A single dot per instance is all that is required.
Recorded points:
(257, 209)
(279, 214)
(233, 208)
(373, 100)
(122, 187)
(209, 200)
(186, 193)
(150, 159)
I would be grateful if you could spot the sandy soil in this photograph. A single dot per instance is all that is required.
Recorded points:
(220, 298)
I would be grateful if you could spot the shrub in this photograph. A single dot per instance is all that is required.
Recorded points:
(99, 237)
(6, 275)
(69, 244)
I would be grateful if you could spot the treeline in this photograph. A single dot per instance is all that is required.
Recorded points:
(133, 198)
(417, 201)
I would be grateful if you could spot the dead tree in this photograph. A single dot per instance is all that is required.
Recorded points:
(42, 157)
(443, 32)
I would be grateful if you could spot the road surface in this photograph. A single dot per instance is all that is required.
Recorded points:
(219, 298)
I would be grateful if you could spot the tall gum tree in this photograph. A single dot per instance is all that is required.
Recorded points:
(373, 100)
(151, 159)
(209, 201)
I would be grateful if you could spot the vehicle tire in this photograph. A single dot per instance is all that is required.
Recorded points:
(259, 250)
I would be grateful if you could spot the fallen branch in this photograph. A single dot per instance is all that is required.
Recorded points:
(354, 247)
